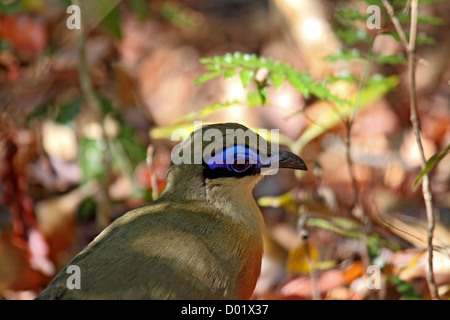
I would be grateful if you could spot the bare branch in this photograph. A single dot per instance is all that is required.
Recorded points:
(426, 189)
(398, 27)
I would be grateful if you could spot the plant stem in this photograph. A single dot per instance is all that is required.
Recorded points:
(396, 23)
(426, 188)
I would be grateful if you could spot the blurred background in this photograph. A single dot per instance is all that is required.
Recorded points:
(86, 117)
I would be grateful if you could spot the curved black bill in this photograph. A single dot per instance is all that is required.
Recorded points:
(289, 160)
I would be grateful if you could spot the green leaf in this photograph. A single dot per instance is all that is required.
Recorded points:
(300, 82)
(430, 164)
(106, 106)
(246, 76)
(87, 209)
(343, 75)
(206, 60)
(166, 132)
(351, 14)
(127, 139)
(140, 8)
(345, 55)
(10, 8)
(277, 79)
(205, 112)
(352, 36)
(246, 64)
(111, 22)
(68, 112)
(405, 288)
(321, 91)
(282, 201)
(229, 73)
(422, 38)
(263, 92)
(91, 158)
(180, 15)
(208, 76)
(332, 226)
(214, 67)
(422, 19)
(430, 20)
(346, 223)
(351, 229)
(254, 99)
(377, 87)
(391, 59)
(64, 114)
(40, 113)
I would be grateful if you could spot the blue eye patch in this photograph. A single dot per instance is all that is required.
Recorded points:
(235, 159)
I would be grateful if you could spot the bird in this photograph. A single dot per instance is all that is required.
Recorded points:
(202, 239)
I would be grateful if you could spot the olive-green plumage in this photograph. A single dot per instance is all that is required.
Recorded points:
(202, 239)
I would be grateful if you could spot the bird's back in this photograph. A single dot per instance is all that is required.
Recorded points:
(166, 250)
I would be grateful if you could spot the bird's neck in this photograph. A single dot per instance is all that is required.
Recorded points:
(236, 201)
(232, 197)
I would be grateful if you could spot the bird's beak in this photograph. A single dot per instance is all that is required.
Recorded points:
(289, 160)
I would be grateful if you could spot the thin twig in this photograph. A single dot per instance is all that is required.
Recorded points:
(401, 33)
(407, 8)
(396, 23)
(426, 189)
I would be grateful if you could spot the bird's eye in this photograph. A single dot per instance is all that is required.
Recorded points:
(237, 160)
(239, 167)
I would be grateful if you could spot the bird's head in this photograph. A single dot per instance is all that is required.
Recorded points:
(228, 156)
